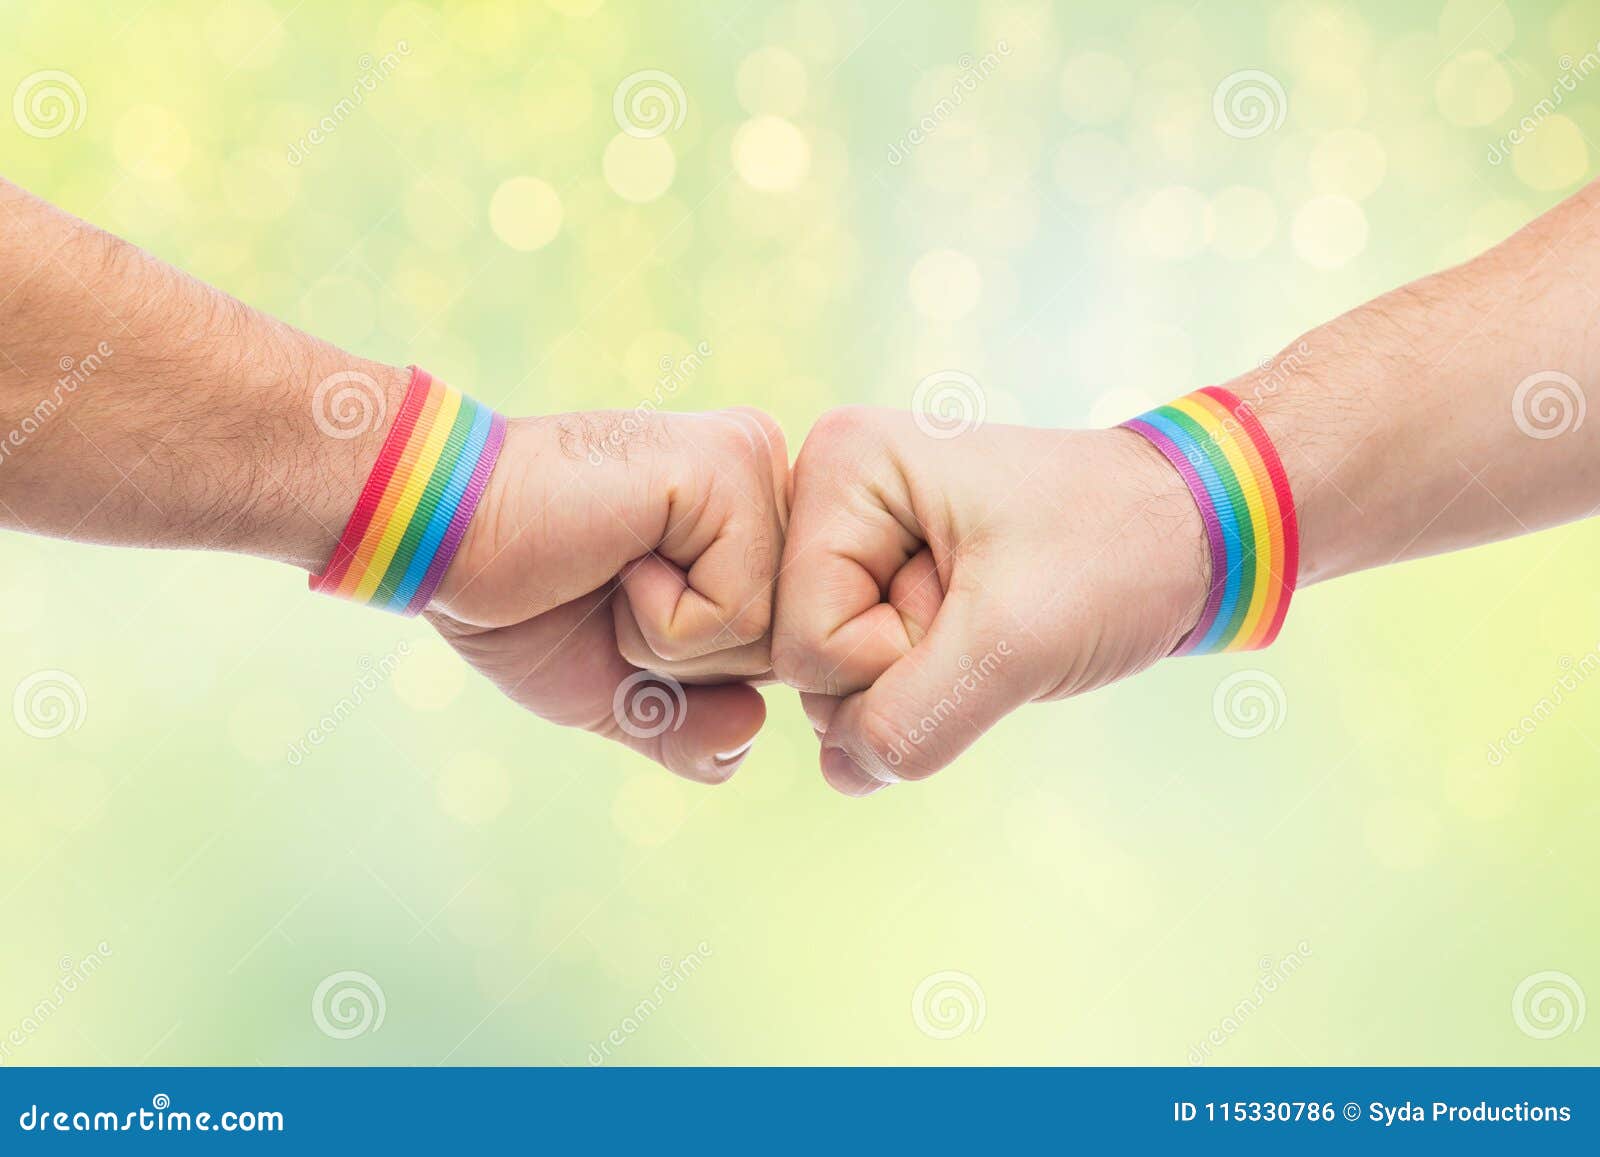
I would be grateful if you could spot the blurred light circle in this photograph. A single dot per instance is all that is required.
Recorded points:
(954, 164)
(771, 154)
(1484, 23)
(1091, 168)
(648, 809)
(1176, 223)
(1350, 162)
(340, 307)
(557, 97)
(1095, 87)
(1332, 97)
(1493, 221)
(484, 911)
(473, 788)
(150, 142)
(1245, 220)
(245, 34)
(1402, 834)
(639, 169)
(1004, 216)
(945, 285)
(525, 213)
(259, 185)
(1553, 157)
(577, 8)
(1315, 37)
(430, 677)
(771, 80)
(1472, 89)
(1118, 404)
(1329, 231)
(439, 211)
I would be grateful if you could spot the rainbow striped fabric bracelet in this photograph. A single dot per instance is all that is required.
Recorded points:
(1234, 473)
(418, 500)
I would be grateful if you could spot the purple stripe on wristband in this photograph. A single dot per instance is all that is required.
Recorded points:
(1208, 515)
(458, 525)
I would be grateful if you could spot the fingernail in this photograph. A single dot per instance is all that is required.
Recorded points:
(727, 761)
(845, 775)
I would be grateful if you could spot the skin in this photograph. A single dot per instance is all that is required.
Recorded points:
(1070, 559)
(605, 542)
(914, 588)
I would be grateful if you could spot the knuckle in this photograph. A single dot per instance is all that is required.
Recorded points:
(800, 662)
(752, 622)
(843, 421)
(634, 651)
(672, 647)
(765, 425)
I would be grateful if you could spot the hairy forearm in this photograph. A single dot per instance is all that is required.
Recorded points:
(141, 407)
(1401, 424)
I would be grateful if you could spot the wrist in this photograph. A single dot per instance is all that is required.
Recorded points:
(323, 433)
(1232, 471)
(419, 497)
(1175, 553)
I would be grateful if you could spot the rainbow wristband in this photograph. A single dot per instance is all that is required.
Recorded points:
(418, 500)
(1237, 480)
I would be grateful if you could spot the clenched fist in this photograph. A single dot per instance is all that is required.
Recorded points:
(931, 584)
(613, 545)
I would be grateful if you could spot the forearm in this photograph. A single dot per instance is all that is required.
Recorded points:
(141, 407)
(1401, 426)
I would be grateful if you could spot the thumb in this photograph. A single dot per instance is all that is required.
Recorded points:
(928, 706)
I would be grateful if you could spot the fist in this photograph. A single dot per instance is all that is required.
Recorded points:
(931, 584)
(618, 577)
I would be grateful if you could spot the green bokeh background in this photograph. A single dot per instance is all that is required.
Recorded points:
(1110, 873)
